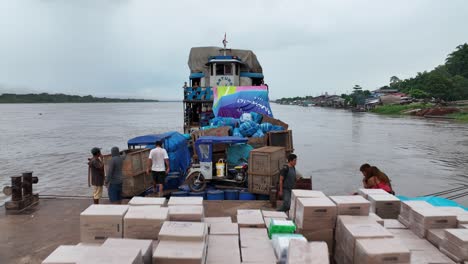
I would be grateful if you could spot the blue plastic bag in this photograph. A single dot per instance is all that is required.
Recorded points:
(258, 134)
(256, 117)
(266, 127)
(248, 128)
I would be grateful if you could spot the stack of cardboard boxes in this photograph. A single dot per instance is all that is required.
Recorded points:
(139, 201)
(316, 218)
(349, 229)
(144, 245)
(455, 244)
(101, 221)
(297, 193)
(144, 222)
(405, 210)
(381, 250)
(256, 246)
(386, 206)
(351, 205)
(181, 242)
(223, 249)
(365, 192)
(425, 218)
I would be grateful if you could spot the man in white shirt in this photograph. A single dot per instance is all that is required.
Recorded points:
(158, 164)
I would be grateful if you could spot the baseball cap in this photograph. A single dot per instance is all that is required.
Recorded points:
(95, 151)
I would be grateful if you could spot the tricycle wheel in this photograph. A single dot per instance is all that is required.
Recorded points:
(197, 182)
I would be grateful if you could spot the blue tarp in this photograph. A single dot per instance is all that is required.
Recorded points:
(435, 201)
(175, 145)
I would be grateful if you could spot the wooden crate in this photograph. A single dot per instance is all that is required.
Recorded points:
(258, 142)
(266, 161)
(134, 164)
(281, 139)
(261, 184)
(276, 122)
(135, 185)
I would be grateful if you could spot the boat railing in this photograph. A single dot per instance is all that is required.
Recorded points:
(198, 93)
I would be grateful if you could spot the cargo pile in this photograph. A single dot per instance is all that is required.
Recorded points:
(337, 228)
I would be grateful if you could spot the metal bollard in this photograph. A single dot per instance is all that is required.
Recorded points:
(16, 188)
(27, 183)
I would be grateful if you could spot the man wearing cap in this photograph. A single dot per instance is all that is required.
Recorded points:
(96, 174)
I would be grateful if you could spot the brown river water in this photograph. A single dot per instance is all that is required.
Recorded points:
(421, 156)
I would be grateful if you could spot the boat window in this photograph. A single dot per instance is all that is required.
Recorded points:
(219, 69)
(228, 69)
(211, 71)
(237, 69)
(204, 152)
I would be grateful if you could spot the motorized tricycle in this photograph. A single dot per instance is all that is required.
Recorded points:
(206, 169)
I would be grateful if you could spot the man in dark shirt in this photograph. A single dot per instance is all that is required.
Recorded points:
(287, 182)
(96, 174)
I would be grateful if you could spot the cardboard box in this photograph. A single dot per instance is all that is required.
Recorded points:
(432, 256)
(185, 201)
(380, 250)
(137, 201)
(101, 221)
(462, 214)
(305, 253)
(108, 255)
(315, 213)
(262, 254)
(223, 249)
(210, 220)
(377, 218)
(274, 214)
(183, 231)
(297, 193)
(144, 245)
(422, 219)
(144, 222)
(325, 235)
(253, 237)
(352, 232)
(250, 218)
(351, 205)
(435, 236)
(365, 192)
(183, 252)
(455, 244)
(406, 208)
(68, 254)
(193, 213)
(393, 224)
(385, 206)
(224, 229)
(404, 234)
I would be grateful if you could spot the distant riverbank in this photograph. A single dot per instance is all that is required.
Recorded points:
(62, 98)
(428, 110)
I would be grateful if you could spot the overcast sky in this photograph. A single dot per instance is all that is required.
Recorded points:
(139, 49)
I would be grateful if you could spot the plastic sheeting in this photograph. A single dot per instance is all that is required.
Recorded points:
(175, 144)
(238, 154)
(233, 101)
(435, 201)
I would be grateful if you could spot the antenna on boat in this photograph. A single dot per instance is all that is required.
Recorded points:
(225, 43)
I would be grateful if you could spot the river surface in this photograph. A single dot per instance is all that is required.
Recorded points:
(54, 141)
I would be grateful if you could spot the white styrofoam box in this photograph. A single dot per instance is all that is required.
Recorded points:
(144, 222)
(192, 213)
(101, 221)
(298, 193)
(422, 219)
(253, 237)
(351, 205)
(381, 250)
(406, 207)
(136, 201)
(144, 245)
(183, 231)
(185, 201)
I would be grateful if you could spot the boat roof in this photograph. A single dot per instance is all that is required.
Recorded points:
(199, 56)
(149, 139)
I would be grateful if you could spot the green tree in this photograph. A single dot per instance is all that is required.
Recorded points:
(457, 61)
(419, 94)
